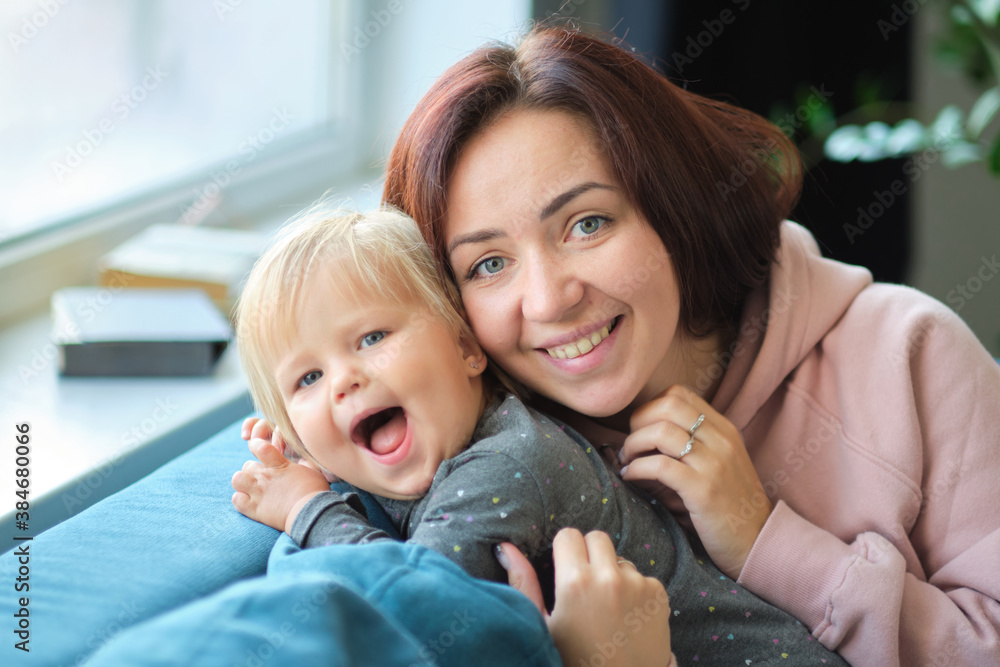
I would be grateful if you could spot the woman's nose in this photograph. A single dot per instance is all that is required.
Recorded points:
(550, 290)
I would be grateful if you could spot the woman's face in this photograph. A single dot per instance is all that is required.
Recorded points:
(565, 284)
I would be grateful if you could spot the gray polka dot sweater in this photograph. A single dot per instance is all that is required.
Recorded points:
(526, 476)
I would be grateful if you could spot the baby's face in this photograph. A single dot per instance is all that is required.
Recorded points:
(380, 394)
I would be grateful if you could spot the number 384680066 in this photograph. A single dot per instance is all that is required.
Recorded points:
(22, 472)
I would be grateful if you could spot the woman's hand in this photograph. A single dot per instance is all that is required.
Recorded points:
(716, 481)
(274, 490)
(603, 607)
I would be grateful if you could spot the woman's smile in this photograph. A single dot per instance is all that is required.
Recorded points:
(582, 345)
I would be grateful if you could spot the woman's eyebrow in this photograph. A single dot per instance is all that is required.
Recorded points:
(481, 235)
(561, 200)
(477, 236)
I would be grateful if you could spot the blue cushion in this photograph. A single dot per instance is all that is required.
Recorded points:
(386, 603)
(171, 537)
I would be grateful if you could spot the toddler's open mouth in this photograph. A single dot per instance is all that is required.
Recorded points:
(381, 432)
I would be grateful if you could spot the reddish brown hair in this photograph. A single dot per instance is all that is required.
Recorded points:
(714, 181)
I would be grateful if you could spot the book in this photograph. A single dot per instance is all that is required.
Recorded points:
(116, 332)
(213, 259)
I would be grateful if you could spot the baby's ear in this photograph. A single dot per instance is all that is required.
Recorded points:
(472, 353)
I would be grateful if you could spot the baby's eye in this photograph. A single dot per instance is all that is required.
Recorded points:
(588, 226)
(489, 266)
(310, 378)
(372, 338)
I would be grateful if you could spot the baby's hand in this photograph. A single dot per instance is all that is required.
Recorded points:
(255, 428)
(274, 490)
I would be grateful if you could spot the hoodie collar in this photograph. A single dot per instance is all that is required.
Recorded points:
(783, 320)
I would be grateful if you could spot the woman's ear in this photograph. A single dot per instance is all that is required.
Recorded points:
(472, 354)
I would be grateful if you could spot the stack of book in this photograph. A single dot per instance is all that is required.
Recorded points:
(212, 259)
(105, 331)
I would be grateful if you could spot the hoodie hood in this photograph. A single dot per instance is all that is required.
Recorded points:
(783, 321)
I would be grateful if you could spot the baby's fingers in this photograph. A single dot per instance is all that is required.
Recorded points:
(262, 429)
(242, 482)
(278, 441)
(243, 503)
(247, 427)
(267, 453)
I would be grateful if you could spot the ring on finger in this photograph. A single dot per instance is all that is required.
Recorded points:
(698, 422)
(687, 448)
(625, 561)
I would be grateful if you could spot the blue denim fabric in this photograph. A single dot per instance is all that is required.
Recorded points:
(383, 604)
(170, 538)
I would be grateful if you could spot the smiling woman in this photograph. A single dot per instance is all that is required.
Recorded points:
(570, 216)
(608, 261)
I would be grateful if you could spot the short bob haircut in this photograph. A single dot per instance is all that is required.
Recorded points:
(713, 180)
(377, 254)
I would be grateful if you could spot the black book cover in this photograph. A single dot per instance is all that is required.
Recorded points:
(103, 331)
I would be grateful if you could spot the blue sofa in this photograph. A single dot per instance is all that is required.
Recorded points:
(167, 572)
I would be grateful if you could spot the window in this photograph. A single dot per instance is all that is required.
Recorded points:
(106, 100)
(122, 113)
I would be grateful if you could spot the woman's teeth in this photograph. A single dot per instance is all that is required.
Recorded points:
(582, 346)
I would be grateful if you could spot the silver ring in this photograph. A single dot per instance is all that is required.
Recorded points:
(687, 448)
(697, 423)
(627, 561)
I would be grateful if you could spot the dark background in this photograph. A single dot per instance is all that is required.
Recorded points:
(768, 58)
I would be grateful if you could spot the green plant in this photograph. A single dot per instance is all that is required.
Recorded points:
(971, 43)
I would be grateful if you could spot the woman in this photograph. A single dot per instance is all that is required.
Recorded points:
(619, 247)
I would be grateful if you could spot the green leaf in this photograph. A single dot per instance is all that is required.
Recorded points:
(947, 127)
(908, 136)
(995, 157)
(983, 111)
(961, 153)
(844, 144)
(960, 15)
(988, 11)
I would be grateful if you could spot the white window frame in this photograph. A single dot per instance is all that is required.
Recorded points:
(288, 174)
(404, 54)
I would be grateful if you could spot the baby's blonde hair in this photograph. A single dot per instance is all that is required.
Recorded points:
(379, 253)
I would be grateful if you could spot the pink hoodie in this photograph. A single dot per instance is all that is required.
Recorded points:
(872, 415)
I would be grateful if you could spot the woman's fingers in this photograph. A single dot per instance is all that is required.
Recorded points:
(596, 596)
(521, 575)
(705, 461)
(678, 404)
(657, 438)
(569, 547)
(600, 549)
(717, 491)
(668, 423)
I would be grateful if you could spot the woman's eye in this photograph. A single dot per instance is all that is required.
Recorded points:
(310, 378)
(489, 266)
(588, 226)
(372, 338)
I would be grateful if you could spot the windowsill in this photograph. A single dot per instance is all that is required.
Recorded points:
(83, 449)
(91, 437)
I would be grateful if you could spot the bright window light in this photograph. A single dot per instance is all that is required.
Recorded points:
(108, 99)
